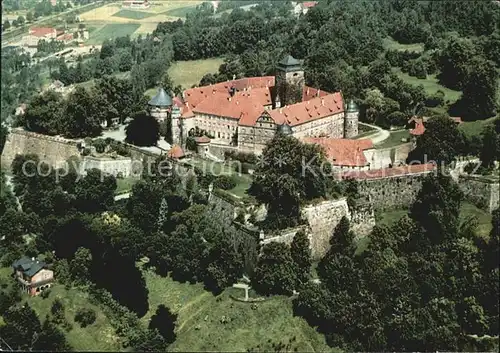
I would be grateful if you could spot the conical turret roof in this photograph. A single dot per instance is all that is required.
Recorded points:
(352, 107)
(161, 99)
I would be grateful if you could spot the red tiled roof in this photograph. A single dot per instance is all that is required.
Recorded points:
(389, 172)
(202, 139)
(343, 152)
(65, 37)
(42, 31)
(230, 107)
(175, 152)
(310, 93)
(309, 4)
(185, 111)
(313, 109)
(419, 126)
(195, 96)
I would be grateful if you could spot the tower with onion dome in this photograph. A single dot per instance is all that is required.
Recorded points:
(160, 105)
(351, 120)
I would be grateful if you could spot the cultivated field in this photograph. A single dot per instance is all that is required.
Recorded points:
(106, 21)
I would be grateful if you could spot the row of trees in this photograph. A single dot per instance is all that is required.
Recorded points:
(82, 112)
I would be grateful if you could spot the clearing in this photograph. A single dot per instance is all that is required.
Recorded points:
(391, 44)
(474, 128)
(199, 326)
(100, 336)
(467, 209)
(189, 73)
(431, 85)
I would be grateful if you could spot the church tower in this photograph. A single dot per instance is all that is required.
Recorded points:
(351, 120)
(289, 81)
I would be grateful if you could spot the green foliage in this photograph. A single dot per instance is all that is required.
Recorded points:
(290, 172)
(301, 255)
(275, 272)
(164, 321)
(441, 142)
(224, 182)
(143, 130)
(85, 317)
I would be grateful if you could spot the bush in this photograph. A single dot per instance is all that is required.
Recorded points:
(435, 100)
(45, 294)
(85, 317)
(224, 182)
(100, 145)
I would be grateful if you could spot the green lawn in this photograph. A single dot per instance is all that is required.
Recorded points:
(199, 326)
(396, 138)
(180, 11)
(125, 184)
(188, 73)
(133, 14)
(243, 181)
(391, 44)
(467, 209)
(100, 336)
(472, 128)
(431, 85)
(111, 31)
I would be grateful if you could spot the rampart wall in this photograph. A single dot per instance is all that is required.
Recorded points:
(480, 191)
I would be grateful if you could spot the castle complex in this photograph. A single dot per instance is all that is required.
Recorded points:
(246, 113)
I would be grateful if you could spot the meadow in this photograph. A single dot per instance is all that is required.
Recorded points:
(99, 336)
(189, 73)
(199, 326)
(391, 44)
(394, 139)
(467, 210)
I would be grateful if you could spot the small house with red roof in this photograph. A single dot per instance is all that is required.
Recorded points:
(36, 34)
(302, 8)
(176, 152)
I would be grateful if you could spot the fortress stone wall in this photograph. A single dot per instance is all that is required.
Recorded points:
(114, 166)
(481, 191)
(319, 219)
(392, 192)
(51, 149)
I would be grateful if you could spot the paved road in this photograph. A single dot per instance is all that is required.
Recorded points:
(378, 137)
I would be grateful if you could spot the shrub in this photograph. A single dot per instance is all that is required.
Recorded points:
(85, 317)
(435, 100)
(100, 145)
(224, 182)
(45, 294)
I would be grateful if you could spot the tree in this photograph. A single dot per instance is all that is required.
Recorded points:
(275, 272)
(455, 61)
(441, 142)
(479, 96)
(51, 338)
(85, 317)
(289, 172)
(6, 25)
(490, 146)
(44, 113)
(84, 113)
(143, 130)
(95, 192)
(80, 266)
(301, 255)
(164, 321)
(17, 317)
(20, 21)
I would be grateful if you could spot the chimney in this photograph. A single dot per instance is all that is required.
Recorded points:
(229, 99)
(319, 90)
(234, 77)
(281, 110)
(322, 102)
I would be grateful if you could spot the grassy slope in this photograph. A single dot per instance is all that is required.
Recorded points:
(471, 128)
(467, 209)
(391, 44)
(181, 11)
(125, 184)
(199, 327)
(431, 85)
(133, 14)
(99, 336)
(188, 73)
(394, 139)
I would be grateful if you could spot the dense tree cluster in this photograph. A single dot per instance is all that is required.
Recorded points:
(422, 284)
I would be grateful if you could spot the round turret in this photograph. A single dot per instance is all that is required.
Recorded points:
(160, 105)
(352, 107)
(285, 129)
